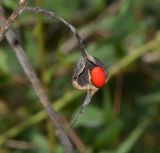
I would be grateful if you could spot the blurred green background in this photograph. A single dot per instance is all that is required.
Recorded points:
(123, 117)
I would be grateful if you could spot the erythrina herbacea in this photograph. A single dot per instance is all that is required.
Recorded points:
(98, 76)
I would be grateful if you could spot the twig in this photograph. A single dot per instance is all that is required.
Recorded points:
(25, 63)
(87, 100)
(50, 14)
(11, 19)
(53, 16)
(91, 28)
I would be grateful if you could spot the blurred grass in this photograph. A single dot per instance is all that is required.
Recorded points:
(120, 33)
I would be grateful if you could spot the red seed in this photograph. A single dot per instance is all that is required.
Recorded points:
(98, 76)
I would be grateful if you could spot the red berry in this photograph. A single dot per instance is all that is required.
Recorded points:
(98, 76)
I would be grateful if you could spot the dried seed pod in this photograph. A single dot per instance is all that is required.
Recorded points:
(85, 78)
(82, 78)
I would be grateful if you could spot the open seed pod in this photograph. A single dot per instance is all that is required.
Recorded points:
(89, 75)
(83, 77)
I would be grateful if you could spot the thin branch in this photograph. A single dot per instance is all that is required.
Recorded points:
(81, 111)
(27, 67)
(11, 19)
(53, 16)
(50, 14)
(88, 30)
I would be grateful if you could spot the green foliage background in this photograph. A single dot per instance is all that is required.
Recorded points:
(123, 116)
